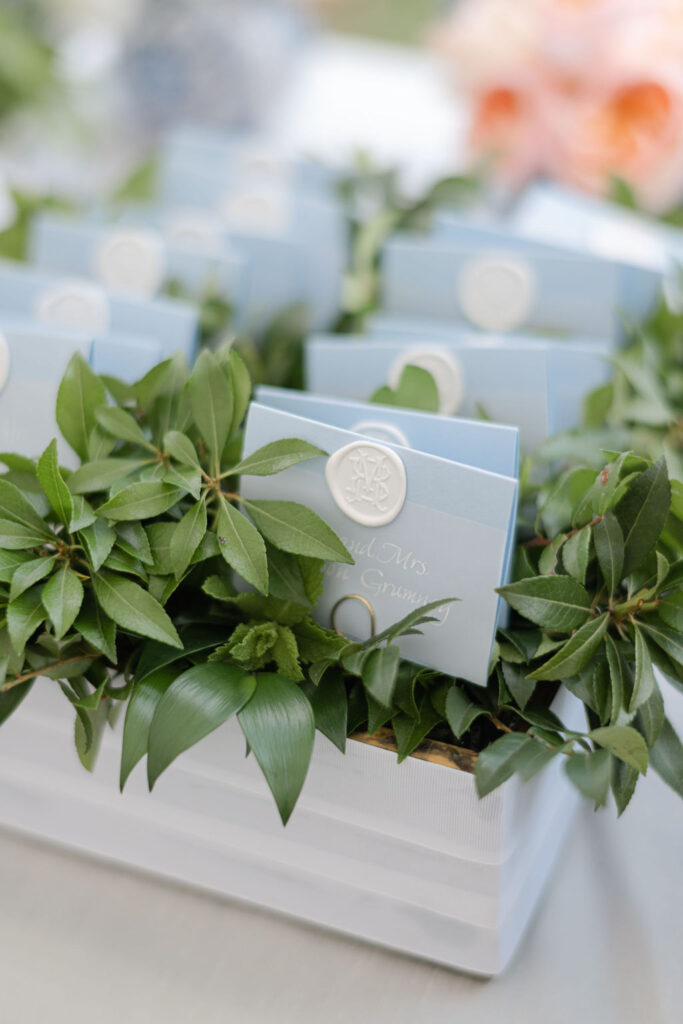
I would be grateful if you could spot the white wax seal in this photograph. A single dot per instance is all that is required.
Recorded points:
(261, 211)
(195, 230)
(131, 261)
(444, 368)
(368, 482)
(4, 360)
(381, 432)
(496, 292)
(74, 303)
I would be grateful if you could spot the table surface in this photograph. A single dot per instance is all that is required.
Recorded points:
(83, 941)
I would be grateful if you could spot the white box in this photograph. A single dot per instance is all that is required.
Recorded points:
(404, 856)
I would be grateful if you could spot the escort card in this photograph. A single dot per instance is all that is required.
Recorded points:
(534, 385)
(500, 289)
(420, 528)
(32, 362)
(78, 304)
(638, 287)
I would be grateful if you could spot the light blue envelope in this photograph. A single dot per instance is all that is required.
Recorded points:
(450, 538)
(639, 287)
(30, 293)
(64, 245)
(37, 358)
(533, 385)
(561, 216)
(500, 289)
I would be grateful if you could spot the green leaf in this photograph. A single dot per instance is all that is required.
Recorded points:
(555, 602)
(10, 562)
(139, 714)
(98, 540)
(410, 732)
(671, 611)
(53, 484)
(276, 457)
(10, 701)
(196, 640)
(609, 547)
(279, 727)
(24, 615)
(83, 514)
(240, 382)
(644, 680)
(642, 514)
(29, 573)
(298, 530)
(211, 402)
(416, 390)
(625, 743)
(134, 609)
(496, 763)
(620, 682)
(141, 501)
(62, 599)
(670, 640)
(285, 578)
(101, 474)
(242, 546)
(80, 393)
(666, 757)
(521, 688)
(121, 425)
(197, 702)
(379, 673)
(15, 537)
(532, 758)
(330, 707)
(187, 536)
(133, 540)
(591, 774)
(180, 448)
(624, 779)
(461, 712)
(15, 508)
(650, 718)
(96, 627)
(576, 554)
(576, 653)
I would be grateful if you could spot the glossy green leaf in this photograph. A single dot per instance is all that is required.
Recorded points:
(670, 640)
(80, 393)
(277, 456)
(211, 401)
(15, 537)
(98, 540)
(101, 474)
(279, 727)
(591, 774)
(242, 546)
(10, 701)
(96, 627)
(644, 680)
(139, 714)
(131, 538)
(28, 573)
(624, 780)
(240, 382)
(380, 671)
(609, 547)
(330, 707)
(496, 763)
(642, 514)
(133, 608)
(200, 700)
(83, 514)
(576, 653)
(62, 599)
(180, 448)
(121, 425)
(15, 508)
(555, 602)
(53, 484)
(24, 615)
(298, 530)
(576, 554)
(141, 501)
(666, 757)
(625, 743)
(461, 711)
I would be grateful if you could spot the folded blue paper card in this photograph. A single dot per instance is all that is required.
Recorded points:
(551, 213)
(500, 290)
(83, 305)
(638, 287)
(419, 527)
(137, 261)
(33, 359)
(534, 385)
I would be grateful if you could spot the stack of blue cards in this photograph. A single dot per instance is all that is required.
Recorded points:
(425, 506)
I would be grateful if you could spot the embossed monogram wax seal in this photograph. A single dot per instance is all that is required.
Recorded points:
(368, 482)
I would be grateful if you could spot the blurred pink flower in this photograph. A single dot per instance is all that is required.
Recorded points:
(579, 90)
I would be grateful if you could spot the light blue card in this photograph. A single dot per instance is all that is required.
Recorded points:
(500, 290)
(81, 305)
(488, 446)
(138, 260)
(419, 527)
(551, 213)
(33, 359)
(639, 287)
(535, 386)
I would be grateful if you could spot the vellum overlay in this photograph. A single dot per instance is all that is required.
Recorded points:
(368, 482)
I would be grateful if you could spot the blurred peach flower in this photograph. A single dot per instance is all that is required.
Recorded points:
(577, 90)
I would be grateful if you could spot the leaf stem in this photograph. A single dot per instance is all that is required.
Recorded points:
(26, 676)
